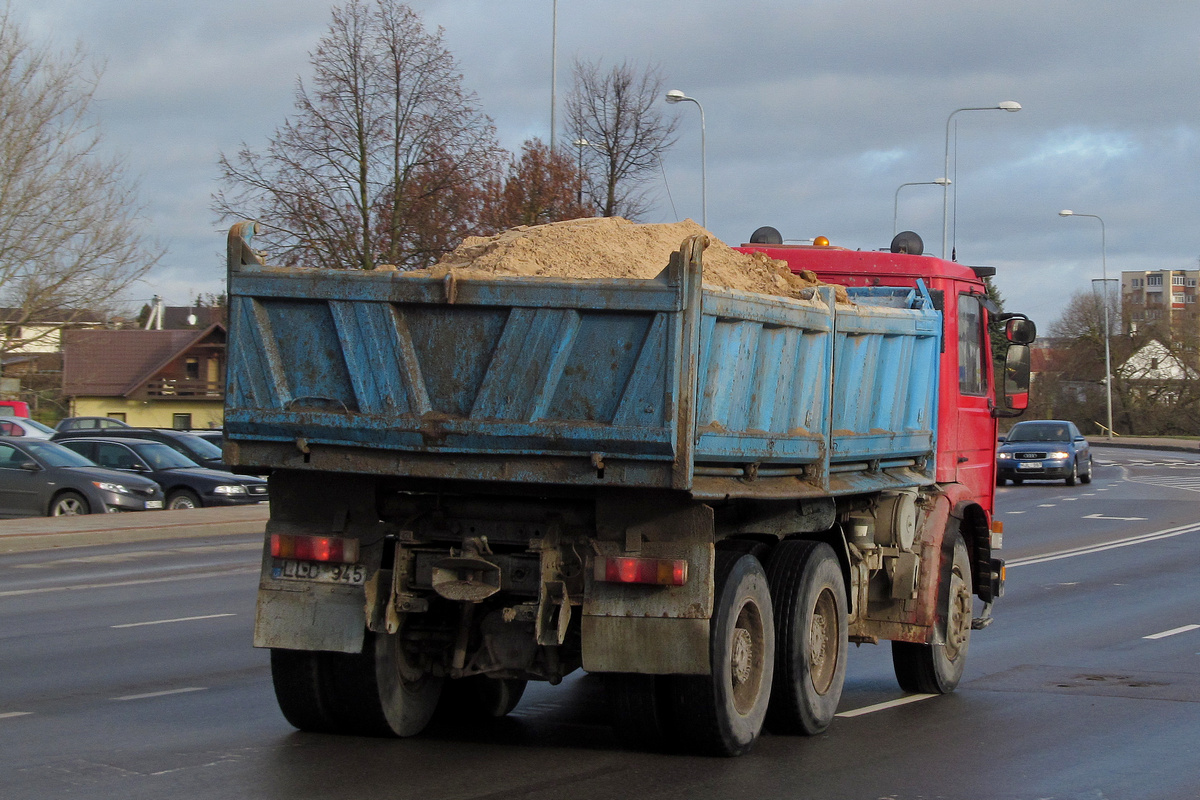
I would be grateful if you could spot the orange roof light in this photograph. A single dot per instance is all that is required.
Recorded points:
(821, 241)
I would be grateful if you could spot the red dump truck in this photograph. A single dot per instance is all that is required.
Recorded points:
(701, 495)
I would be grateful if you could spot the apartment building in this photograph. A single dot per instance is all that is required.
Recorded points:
(1163, 298)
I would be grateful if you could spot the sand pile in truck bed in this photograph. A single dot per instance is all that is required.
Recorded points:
(611, 247)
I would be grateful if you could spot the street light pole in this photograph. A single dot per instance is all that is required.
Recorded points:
(896, 202)
(1007, 105)
(553, 75)
(1066, 212)
(676, 96)
(580, 144)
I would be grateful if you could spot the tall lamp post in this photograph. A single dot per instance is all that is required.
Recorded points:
(1066, 212)
(580, 144)
(896, 202)
(1007, 105)
(553, 74)
(676, 96)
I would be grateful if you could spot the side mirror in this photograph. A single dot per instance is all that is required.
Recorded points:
(30, 466)
(1020, 330)
(1014, 397)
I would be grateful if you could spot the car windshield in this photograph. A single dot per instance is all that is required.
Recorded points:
(199, 447)
(55, 455)
(1039, 432)
(159, 456)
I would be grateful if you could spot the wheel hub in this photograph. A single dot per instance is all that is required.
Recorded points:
(742, 657)
(817, 642)
(958, 626)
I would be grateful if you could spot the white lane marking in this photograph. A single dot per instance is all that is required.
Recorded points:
(900, 701)
(1047, 505)
(1119, 519)
(148, 695)
(1014, 512)
(169, 621)
(11, 714)
(1099, 548)
(140, 582)
(1186, 484)
(1172, 632)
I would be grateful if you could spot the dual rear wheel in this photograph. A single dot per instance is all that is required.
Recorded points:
(378, 692)
(778, 642)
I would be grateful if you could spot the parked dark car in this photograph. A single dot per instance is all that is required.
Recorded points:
(204, 453)
(88, 423)
(215, 436)
(185, 483)
(41, 478)
(1047, 449)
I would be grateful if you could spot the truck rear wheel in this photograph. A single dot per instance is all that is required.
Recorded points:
(296, 675)
(722, 713)
(808, 593)
(384, 694)
(937, 669)
(372, 693)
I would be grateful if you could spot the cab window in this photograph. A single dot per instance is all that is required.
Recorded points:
(972, 351)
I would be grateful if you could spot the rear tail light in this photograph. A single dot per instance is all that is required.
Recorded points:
(657, 571)
(333, 549)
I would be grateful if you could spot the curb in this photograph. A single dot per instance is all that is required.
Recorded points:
(1144, 445)
(51, 533)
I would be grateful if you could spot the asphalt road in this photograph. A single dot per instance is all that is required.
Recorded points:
(126, 672)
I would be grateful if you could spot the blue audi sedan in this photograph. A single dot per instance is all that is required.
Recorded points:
(1044, 449)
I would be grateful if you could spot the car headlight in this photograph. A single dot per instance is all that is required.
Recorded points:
(231, 488)
(105, 486)
(1058, 454)
(1003, 456)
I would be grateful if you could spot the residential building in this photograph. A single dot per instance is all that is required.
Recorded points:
(1163, 298)
(151, 378)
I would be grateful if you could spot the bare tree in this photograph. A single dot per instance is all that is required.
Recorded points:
(385, 158)
(616, 112)
(541, 186)
(71, 236)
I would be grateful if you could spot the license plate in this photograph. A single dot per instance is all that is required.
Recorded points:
(1029, 465)
(154, 504)
(346, 574)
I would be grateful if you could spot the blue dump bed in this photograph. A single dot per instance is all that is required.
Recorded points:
(643, 384)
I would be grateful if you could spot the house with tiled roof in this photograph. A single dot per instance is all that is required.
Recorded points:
(152, 378)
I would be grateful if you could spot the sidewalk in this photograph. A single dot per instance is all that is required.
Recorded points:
(48, 533)
(1146, 443)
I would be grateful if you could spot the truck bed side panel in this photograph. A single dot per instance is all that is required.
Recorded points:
(579, 381)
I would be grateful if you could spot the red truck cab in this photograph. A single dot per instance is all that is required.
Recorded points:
(968, 400)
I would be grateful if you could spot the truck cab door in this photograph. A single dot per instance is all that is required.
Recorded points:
(974, 457)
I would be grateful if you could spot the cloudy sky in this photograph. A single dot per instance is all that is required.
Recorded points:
(817, 111)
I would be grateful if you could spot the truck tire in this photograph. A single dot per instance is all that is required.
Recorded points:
(296, 675)
(361, 694)
(808, 594)
(722, 713)
(376, 698)
(937, 669)
(479, 697)
(640, 706)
